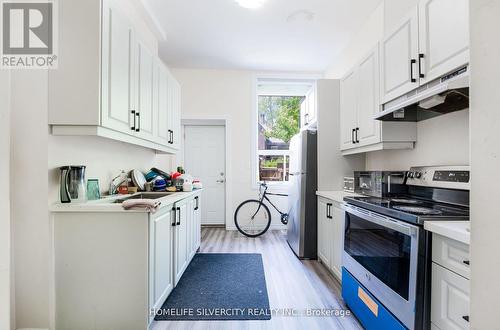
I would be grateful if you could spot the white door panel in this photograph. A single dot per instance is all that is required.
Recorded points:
(399, 58)
(205, 159)
(444, 36)
(348, 110)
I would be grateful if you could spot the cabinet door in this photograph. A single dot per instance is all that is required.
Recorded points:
(348, 110)
(198, 223)
(368, 101)
(181, 250)
(399, 58)
(444, 36)
(117, 75)
(324, 251)
(303, 114)
(162, 134)
(146, 83)
(163, 274)
(176, 114)
(449, 299)
(311, 105)
(337, 240)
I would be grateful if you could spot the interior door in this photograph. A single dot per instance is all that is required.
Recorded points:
(205, 158)
(117, 70)
(400, 57)
(444, 36)
(348, 110)
(368, 100)
(146, 77)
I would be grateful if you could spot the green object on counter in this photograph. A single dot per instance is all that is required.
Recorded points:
(93, 191)
(180, 170)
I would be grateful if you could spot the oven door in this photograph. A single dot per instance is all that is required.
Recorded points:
(382, 254)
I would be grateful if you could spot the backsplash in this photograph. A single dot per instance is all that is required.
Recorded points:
(442, 140)
(104, 159)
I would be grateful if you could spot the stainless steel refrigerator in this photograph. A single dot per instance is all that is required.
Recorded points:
(302, 228)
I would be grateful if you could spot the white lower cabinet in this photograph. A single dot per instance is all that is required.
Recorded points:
(450, 291)
(330, 235)
(129, 260)
(161, 281)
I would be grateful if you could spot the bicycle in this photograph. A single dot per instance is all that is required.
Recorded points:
(253, 218)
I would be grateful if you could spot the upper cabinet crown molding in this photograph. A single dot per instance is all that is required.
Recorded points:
(430, 41)
(119, 88)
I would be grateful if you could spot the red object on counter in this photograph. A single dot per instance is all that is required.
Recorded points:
(175, 175)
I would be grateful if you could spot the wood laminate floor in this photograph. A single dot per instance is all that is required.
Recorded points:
(292, 284)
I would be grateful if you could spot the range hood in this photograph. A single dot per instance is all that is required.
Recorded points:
(444, 95)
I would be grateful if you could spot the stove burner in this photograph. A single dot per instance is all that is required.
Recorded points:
(417, 210)
(405, 201)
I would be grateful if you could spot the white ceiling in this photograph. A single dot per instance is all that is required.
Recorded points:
(279, 36)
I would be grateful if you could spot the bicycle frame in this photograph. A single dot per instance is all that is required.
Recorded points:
(264, 197)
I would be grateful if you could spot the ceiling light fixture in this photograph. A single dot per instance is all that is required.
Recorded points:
(251, 4)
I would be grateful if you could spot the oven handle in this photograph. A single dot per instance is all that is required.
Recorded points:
(381, 220)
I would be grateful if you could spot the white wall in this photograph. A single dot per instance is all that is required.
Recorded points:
(485, 163)
(442, 140)
(225, 94)
(5, 230)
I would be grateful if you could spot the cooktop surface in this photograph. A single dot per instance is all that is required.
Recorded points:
(410, 209)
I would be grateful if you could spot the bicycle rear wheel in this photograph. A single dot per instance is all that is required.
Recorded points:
(252, 218)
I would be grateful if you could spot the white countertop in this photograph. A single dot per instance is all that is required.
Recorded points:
(107, 205)
(337, 195)
(457, 230)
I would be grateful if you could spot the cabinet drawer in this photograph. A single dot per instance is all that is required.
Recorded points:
(451, 254)
(449, 299)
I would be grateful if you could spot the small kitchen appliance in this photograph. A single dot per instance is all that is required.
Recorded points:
(386, 275)
(349, 184)
(72, 184)
(379, 183)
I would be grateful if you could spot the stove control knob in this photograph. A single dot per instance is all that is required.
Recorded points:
(418, 175)
(410, 175)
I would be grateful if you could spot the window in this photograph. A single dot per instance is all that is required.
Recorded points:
(278, 121)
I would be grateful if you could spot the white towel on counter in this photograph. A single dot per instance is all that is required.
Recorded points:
(141, 204)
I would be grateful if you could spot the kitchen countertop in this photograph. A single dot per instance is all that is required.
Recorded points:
(457, 230)
(106, 204)
(337, 196)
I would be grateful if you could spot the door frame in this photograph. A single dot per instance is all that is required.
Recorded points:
(214, 121)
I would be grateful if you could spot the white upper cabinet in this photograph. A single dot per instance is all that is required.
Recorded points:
(308, 109)
(359, 103)
(399, 58)
(431, 40)
(146, 112)
(117, 100)
(348, 110)
(119, 88)
(368, 130)
(444, 36)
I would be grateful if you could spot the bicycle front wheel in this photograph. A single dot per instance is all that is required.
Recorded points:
(252, 218)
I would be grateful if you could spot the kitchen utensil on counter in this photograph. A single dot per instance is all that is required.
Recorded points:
(132, 190)
(93, 191)
(171, 189)
(178, 182)
(123, 188)
(197, 185)
(187, 186)
(180, 169)
(72, 185)
(164, 174)
(148, 186)
(159, 184)
(138, 179)
(150, 176)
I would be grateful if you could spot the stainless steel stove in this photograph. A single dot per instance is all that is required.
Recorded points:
(386, 248)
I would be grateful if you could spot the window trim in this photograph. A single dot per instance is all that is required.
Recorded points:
(269, 77)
